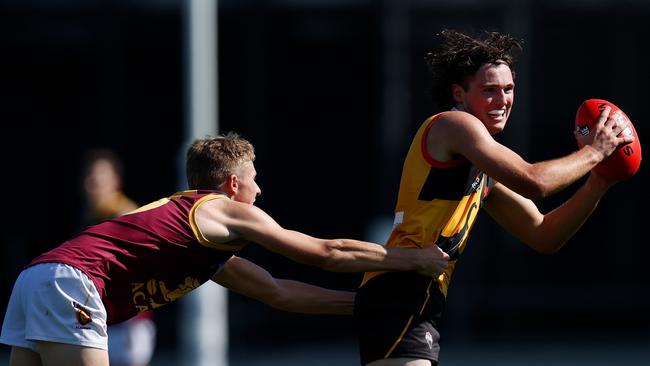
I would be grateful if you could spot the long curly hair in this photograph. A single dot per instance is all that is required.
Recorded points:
(459, 56)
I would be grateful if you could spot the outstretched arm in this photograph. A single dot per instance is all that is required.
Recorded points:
(548, 232)
(459, 133)
(225, 220)
(248, 279)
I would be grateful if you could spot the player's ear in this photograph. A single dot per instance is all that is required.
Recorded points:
(457, 92)
(231, 185)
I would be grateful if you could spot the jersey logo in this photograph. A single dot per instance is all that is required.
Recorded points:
(476, 183)
(155, 293)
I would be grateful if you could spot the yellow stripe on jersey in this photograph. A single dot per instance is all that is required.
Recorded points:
(150, 206)
(232, 246)
(162, 201)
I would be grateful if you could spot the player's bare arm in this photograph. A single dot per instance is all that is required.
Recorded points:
(460, 133)
(248, 279)
(546, 233)
(223, 220)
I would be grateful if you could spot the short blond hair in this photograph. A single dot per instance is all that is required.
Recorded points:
(211, 160)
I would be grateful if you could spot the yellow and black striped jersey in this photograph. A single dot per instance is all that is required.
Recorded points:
(437, 203)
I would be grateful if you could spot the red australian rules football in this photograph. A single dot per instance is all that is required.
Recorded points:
(625, 160)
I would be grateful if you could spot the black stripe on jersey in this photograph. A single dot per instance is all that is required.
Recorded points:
(445, 184)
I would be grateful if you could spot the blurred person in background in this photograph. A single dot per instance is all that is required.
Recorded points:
(64, 299)
(132, 342)
(455, 167)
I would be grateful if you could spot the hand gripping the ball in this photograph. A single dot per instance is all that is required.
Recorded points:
(606, 128)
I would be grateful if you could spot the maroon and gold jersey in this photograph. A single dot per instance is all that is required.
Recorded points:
(437, 203)
(146, 258)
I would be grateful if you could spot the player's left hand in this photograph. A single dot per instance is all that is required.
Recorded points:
(436, 261)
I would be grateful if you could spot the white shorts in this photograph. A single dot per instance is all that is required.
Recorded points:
(54, 302)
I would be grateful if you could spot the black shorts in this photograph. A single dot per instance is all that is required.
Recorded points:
(396, 314)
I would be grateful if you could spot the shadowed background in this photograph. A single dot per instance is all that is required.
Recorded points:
(330, 93)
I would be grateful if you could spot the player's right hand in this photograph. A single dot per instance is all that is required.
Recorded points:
(606, 135)
(436, 261)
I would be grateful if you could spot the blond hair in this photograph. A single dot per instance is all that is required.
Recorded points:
(211, 160)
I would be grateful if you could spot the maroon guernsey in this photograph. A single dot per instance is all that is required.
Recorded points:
(147, 258)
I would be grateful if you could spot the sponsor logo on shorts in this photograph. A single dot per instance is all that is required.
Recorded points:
(429, 338)
(83, 314)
